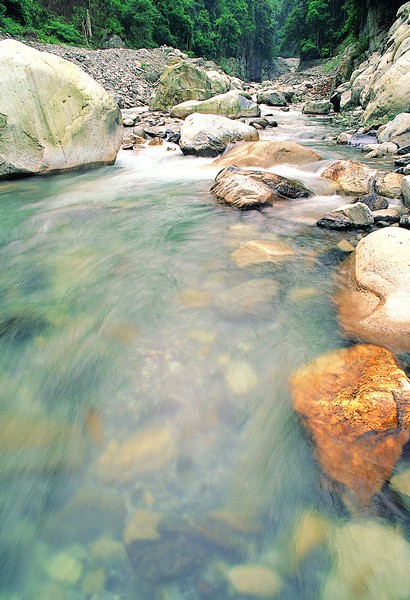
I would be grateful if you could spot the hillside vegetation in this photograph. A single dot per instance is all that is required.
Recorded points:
(253, 31)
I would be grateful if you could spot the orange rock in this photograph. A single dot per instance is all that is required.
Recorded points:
(355, 402)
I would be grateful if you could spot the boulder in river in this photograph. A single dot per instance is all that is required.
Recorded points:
(389, 184)
(350, 177)
(374, 290)
(232, 104)
(355, 402)
(53, 116)
(317, 107)
(263, 251)
(271, 98)
(397, 131)
(209, 135)
(250, 188)
(181, 81)
(405, 190)
(265, 154)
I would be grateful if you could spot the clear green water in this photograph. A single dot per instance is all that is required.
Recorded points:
(142, 370)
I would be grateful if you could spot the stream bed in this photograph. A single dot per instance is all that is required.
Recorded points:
(144, 392)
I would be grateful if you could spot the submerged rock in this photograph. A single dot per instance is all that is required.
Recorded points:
(370, 562)
(355, 402)
(245, 188)
(359, 214)
(240, 378)
(265, 154)
(350, 177)
(148, 451)
(261, 251)
(254, 580)
(53, 117)
(373, 298)
(209, 135)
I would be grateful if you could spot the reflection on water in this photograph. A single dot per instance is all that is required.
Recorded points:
(149, 448)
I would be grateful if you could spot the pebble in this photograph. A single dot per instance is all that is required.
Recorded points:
(240, 378)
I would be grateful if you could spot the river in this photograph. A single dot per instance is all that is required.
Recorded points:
(144, 379)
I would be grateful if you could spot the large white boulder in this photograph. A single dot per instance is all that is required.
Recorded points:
(209, 135)
(374, 291)
(53, 116)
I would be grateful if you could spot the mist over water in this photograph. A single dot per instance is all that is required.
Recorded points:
(144, 389)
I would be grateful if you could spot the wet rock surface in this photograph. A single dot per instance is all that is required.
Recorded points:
(355, 403)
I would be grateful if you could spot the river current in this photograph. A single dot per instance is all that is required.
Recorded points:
(144, 390)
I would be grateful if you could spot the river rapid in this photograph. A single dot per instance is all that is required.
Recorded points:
(144, 388)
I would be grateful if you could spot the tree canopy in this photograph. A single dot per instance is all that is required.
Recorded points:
(253, 31)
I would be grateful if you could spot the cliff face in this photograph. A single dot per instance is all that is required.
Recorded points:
(379, 17)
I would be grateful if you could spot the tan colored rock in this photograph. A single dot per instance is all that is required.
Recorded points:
(143, 525)
(266, 154)
(254, 580)
(64, 567)
(389, 185)
(93, 583)
(233, 104)
(370, 562)
(373, 297)
(400, 483)
(244, 297)
(311, 530)
(106, 548)
(247, 188)
(240, 378)
(355, 402)
(349, 176)
(54, 116)
(261, 251)
(148, 451)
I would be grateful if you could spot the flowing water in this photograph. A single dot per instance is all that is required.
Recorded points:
(144, 388)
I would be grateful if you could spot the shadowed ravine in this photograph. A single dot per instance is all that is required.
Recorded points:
(144, 390)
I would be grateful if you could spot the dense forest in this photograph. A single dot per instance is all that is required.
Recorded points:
(251, 30)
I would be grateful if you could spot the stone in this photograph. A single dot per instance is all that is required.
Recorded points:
(142, 525)
(240, 378)
(148, 451)
(220, 82)
(403, 161)
(405, 221)
(343, 138)
(271, 98)
(244, 297)
(106, 548)
(93, 582)
(390, 215)
(178, 552)
(317, 107)
(311, 530)
(64, 567)
(359, 214)
(403, 150)
(397, 131)
(245, 188)
(355, 403)
(233, 104)
(405, 190)
(349, 176)
(389, 185)
(254, 580)
(266, 154)
(54, 117)
(400, 484)
(260, 251)
(361, 140)
(373, 201)
(374, 290)
(183, 81)
(334, 220)
(209, 135)
(370, 560)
